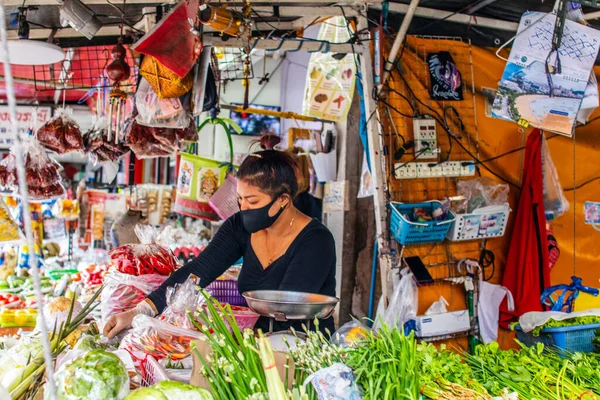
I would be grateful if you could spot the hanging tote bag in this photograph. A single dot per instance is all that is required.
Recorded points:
(199, 178)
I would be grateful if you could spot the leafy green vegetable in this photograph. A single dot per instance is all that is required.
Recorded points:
(179, 390)
(587, 320)
(147, 393)
(97, 374)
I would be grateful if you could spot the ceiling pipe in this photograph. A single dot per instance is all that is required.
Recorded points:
(479, 6)
(389, 62)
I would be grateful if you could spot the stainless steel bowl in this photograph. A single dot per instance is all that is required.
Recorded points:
(287, 305)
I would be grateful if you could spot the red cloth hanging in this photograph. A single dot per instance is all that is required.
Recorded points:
(527, 271)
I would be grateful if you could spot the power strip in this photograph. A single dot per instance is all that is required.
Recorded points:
(423, 170)
(425, 137)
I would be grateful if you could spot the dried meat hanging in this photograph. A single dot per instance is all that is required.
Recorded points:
(118, 70)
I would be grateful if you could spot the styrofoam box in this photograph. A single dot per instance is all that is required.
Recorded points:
(443, 324)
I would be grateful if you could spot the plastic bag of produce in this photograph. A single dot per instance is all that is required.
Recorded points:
(122, 292)
(349, 334)
(14, 361)
(159, 113)
(61, 134)
(181, 299)
(158, 339)
(145, 258)
(335, 383)
(168, 390)
(97, 374)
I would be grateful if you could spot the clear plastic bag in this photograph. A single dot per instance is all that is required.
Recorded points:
(181, 299)
(335, 383)
(42, 173)
(148, 142)
(159, 113)
(99, 148)
(61, 134)
(349, 334)
(555, 202)
(403, 305)
(478, 193)
(145, 258)
(158, 339)
(122, 292)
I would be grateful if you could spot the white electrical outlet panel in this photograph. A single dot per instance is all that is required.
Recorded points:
(423, 170)
(425, 137)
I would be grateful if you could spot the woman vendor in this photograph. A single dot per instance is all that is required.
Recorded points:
(282, 248)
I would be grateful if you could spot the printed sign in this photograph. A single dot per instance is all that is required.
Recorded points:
(184, 183)
(25, 122)
(533, 90)
(330, 81)
(446, 80)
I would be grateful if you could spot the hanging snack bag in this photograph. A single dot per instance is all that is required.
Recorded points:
(99, 148)
(145, 258)
(42, 173)
(122, 292)
(61, 134)
(157, 112)
(148, 142)
(9, 230)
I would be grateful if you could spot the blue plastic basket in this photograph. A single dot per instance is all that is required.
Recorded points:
(408, 232)
(569, 339)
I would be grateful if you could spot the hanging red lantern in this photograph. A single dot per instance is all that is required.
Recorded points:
(118, 70)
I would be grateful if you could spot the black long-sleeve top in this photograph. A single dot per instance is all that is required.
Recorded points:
(307, 266)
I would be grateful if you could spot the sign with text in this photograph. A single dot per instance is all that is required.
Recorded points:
(25, 121)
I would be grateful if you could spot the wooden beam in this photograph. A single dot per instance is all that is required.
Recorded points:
(19, 3)
(432, 13)
(303, 11)
(287, 45)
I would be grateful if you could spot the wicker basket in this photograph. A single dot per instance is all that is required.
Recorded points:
(166, 83)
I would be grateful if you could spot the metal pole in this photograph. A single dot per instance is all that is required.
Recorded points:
(17, 149)
(389, 62)
(377, 168)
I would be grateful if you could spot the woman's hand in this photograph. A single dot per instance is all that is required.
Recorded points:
(119, 322)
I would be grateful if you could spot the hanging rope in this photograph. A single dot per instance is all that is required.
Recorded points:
(50, 389)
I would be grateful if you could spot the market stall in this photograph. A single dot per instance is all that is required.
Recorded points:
(135, 148)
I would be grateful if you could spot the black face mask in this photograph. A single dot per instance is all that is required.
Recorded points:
(258, 219)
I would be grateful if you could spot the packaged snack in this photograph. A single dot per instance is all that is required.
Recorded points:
(99, 148)
(149, 142)
(158, 339)
(123, 292)
(61, 134)
(145, 258)
(9, 230)
(42, 173)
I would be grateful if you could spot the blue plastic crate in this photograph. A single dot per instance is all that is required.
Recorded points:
(408, 232)
(569, 339)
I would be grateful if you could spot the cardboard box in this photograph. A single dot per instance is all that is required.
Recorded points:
(443, 324)
(204, 349)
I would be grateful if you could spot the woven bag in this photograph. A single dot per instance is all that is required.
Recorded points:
(165, 82)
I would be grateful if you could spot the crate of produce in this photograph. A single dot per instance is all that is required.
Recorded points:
(226, 291)
(483, 223)
(406, 231)
(570, 339)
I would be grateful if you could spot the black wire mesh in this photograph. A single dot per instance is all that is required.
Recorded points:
(83, 68)
(231, 63)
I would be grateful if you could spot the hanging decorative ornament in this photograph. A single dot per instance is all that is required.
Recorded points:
(247, 53)
(117, 71)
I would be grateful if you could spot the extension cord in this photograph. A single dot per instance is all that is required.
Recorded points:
(423, 170)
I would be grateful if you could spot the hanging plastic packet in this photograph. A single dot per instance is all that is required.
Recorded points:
(334, 383)
(159, 113)
(149, 142)
(555, 202)
(61, 134)
(42, 173)
(9, 229)
(99, 148)
(403, 304)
